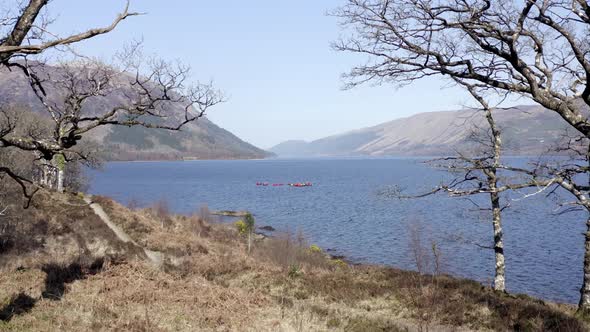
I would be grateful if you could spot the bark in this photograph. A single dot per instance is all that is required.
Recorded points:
(46, 176)
(584, 304)
(500, 277)
(249, 241)
(15, 42)
(60, 180)
(22, 27)
(492, 176)
(59, 163)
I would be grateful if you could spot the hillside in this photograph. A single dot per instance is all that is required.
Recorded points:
(197, 140)
(526, 130)
(66, 269)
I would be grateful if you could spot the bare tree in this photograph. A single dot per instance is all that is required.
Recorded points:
(480, 175)
(84, 94)
(87, 94)
(16, 164)
(570, 174)
(24, 31)
(539, 49)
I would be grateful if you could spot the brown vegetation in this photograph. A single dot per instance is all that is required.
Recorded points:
(208, 282)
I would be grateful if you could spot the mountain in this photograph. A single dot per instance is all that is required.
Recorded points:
(291, 148)
(526, 130)
(201, 139)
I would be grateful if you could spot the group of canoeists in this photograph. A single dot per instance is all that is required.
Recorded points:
(296, 184)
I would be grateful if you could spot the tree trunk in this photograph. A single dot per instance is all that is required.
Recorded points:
(46, 177)
(249, 241)
(59, 162)
(492, 177)
(60, 180)
(584, 305)
(500, 278)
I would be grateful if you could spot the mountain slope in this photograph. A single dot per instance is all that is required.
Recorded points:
(525, 129)
(197, 140)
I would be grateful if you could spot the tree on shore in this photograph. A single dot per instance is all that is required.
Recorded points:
(246, 227)
(536, 49)
(87, 94)
(84, 94)
(480, 174)
(25, 32)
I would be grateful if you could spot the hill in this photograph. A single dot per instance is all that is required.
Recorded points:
(526, 130)
(197, 140)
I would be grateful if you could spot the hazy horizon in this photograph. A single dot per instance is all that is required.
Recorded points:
(282, 78)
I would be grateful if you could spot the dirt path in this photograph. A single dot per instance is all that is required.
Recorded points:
(155, 257)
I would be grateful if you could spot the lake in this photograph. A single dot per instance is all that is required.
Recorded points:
(344, 211)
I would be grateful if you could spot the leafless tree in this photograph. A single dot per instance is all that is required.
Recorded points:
(539, 49)
(24, 31)
(84, 94)
(481, 177)
(87, 94)
(570, 174)
(480, 174)
(15, 164)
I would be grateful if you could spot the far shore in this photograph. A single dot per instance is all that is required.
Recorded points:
(312, 158)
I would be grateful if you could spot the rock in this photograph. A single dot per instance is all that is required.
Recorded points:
(228, 213)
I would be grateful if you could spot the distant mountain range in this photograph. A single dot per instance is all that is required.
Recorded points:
(526, 130)
(197, 140)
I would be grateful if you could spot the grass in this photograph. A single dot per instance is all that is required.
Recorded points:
(208, 282)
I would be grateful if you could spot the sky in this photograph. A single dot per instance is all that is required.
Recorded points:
(272, 59)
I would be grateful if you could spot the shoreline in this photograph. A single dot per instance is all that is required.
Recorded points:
(207, 266)
(322, 158)
(333, 254)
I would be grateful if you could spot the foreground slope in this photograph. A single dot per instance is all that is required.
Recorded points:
(65, 269)
(198, 140)
(526, 130)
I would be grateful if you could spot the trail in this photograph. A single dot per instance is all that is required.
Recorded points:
(155, 257)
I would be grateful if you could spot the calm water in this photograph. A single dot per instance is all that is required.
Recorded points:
(343, 211)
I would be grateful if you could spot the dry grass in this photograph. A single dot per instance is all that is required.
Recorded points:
(56, 226)
(208, 282)
(292, 252)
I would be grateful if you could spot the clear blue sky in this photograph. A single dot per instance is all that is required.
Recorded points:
(272, 58)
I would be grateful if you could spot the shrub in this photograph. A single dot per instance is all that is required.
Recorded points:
(320, 310)
(315, 249)
(287, 249)
(161, 210)
(338, 263)
(133, 204)
(198, 226)
(205, 214)
(246, 227)
(362, 324)
(249, 221)
(240, 227)
(333, 323)
(295, 271)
